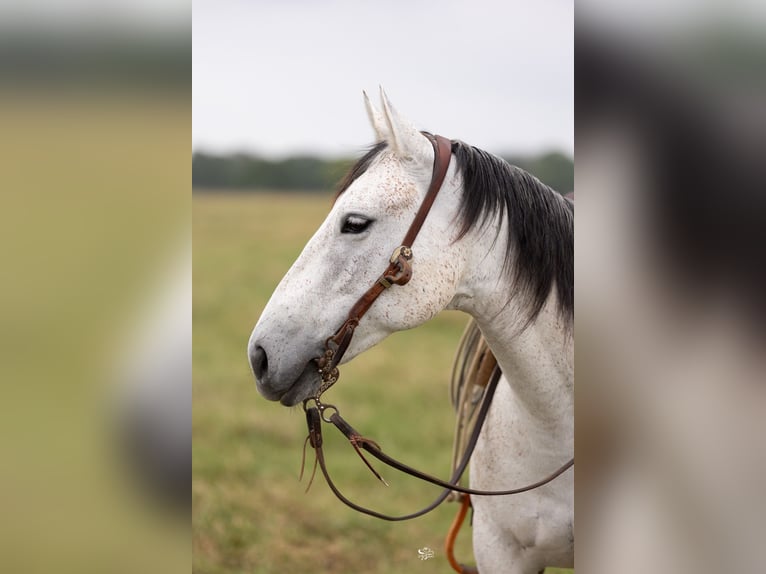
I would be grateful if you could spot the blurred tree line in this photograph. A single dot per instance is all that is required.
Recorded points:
(309, 173)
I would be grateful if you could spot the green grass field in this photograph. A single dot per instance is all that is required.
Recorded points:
(250, 513)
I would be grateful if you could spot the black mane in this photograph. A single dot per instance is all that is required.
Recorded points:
(540, 230)
(540, 240)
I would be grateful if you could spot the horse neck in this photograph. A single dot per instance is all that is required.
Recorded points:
(537, 361)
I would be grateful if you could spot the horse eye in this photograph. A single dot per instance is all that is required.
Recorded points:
(355, 224)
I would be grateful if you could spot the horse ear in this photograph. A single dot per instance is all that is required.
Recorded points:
(376, 119)
(404, 139)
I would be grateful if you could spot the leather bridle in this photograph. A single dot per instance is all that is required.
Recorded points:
(398, 272)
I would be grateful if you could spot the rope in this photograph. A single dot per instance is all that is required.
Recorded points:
(471, 371)
(454, 529)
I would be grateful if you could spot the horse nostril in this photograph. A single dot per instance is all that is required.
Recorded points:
(260, 362)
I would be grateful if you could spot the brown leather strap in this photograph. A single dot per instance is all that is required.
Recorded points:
(314, 418)
(398, 272)
(374, 450)
(442, 155)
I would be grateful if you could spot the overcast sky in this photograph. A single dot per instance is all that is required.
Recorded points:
(286, 76)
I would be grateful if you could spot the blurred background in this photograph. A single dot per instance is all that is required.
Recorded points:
(278, 120)
(95, 299)
(670, 123)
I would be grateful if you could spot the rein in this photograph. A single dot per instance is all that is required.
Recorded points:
(316, 414)
(398, 272)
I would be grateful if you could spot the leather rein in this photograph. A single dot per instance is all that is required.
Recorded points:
(398, 272)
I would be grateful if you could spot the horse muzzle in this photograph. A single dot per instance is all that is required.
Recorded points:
(287, 381)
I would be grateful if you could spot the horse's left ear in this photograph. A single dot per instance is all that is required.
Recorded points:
(406, 141)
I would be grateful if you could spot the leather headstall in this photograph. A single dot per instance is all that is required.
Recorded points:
(398, 272)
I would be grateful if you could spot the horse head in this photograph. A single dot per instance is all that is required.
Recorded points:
(371, 214)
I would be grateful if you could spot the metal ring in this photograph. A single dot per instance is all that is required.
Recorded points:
(323, 407)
